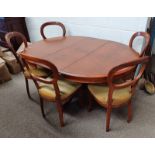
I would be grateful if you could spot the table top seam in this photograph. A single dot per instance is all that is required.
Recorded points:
(87, 54)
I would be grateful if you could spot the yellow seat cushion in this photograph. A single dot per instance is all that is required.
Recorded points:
(41, 72)
(120, 96)
(66, 88)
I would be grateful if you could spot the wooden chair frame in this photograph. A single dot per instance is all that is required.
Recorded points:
(147, 41)
(51, 23)
(55, 77)
(112, 86)
(8, 37)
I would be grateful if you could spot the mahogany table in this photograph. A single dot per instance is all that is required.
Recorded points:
(83, 59)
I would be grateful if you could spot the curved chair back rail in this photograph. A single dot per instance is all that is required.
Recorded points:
(132, 82)
(147, 40)
(11, 35)
(51, 23)
(29, 60)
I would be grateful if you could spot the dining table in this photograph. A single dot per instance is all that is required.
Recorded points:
(83, 59)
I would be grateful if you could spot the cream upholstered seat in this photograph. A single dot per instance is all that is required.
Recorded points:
(67, 88)
(36, 71)
(120, 96)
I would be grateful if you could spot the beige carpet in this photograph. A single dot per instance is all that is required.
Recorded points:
(21, 117)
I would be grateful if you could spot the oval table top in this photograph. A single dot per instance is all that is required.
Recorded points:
(82, 59)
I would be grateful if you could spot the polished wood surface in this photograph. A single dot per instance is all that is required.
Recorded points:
(83, 59)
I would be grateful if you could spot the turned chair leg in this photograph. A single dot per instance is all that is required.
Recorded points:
(90, 102)
(42, 107)
(129, 112)
(81, 101)
(108, 115)
(60, 111)
(27, 88)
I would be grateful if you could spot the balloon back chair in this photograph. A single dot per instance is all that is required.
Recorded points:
(115, 94)
(53, 89)
(38, 71)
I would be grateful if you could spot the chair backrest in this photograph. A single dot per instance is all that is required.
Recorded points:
(51, 23)
(9, 37)
(142, 61)
(146, 36)
(29, 60)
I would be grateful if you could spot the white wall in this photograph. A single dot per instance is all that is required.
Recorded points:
(117, 29)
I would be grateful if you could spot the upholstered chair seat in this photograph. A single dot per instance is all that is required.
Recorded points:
(120, 96)
(67, 88)
(36, 71)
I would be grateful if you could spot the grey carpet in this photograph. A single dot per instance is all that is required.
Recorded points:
(21, 117)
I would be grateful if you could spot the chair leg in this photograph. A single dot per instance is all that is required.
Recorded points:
(42, 107)
(60, 111)
(90, 102)
(81, 101)
(129, 112)
(108, 115)
(27, 88)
